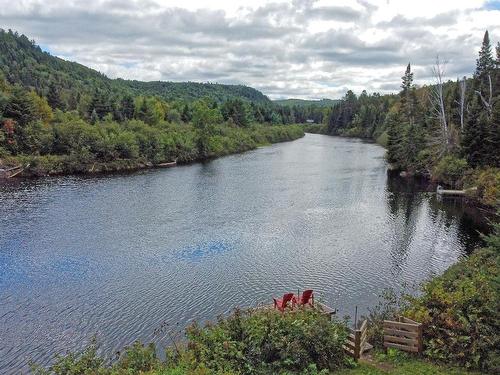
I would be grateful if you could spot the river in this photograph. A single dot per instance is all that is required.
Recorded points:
(117, 256)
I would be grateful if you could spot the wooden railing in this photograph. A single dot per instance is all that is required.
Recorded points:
(357, 341)
(403, 334)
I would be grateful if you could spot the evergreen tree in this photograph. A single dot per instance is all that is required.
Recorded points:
(186, 114)
(20, 112)
(485, 66)
(493, 158)
(20, 107)
(127, 107)
(99, 104)
(475, 134)
(413, 136)
(394, 139)
(53, 97)
(408, 96)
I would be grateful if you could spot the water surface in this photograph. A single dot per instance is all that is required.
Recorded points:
(116, 256)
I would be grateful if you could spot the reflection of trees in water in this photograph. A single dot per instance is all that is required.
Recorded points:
(404, 207)
(469, 220)
(406, 199)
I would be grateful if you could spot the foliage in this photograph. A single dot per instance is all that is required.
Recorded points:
(413, 132)
(268, 341)
(388, 308)
(460, 310)
(315, 128)
(487, 181)
(450, 169)
(65, 83)
(246, 342)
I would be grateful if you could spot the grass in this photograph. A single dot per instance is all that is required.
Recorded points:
(399, 363)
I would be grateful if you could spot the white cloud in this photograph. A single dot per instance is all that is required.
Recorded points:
(307, 49)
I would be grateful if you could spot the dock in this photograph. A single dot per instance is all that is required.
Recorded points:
(326, 310)
(458, 193)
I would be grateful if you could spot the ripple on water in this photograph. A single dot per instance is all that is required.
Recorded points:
(117, 257)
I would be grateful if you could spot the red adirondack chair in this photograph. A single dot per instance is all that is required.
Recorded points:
(281, 303)
(306, 298)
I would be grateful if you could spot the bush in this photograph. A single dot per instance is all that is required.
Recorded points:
(460, 311)
(450, 170)
(267, 341)
(488, 186)
(247, 342)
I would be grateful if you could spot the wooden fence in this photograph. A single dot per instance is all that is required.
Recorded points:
(403, 334)
(356, 342)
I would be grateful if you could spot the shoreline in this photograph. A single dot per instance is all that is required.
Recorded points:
(59, 165)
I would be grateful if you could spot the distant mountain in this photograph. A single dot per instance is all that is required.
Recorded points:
(23, 62)
(303, 102)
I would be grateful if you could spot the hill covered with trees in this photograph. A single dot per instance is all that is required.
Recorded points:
(23, 62)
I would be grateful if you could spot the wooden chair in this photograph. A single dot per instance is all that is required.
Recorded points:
(282, 303)
(306, 298)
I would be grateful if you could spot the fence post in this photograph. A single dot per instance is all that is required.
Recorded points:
(420, 339)
(357, 344)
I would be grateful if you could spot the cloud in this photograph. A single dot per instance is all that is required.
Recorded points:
(298, 48)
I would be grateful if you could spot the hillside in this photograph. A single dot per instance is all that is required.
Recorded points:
(304, 103)
(23, 62)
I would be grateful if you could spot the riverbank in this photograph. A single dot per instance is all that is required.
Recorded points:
(182, 145)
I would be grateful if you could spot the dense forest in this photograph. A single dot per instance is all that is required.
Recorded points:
(449, 131)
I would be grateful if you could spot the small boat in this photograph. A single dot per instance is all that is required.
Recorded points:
(11, 172)
(167, 165)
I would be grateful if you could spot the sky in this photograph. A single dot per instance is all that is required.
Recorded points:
(306, 49)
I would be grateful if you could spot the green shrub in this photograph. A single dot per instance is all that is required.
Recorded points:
(487, 182)
(460, 311)
(450, 170)
(246, 342)
(267, 341)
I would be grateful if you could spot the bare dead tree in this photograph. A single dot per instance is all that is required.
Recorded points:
(437, 101)
(461, 101)
(488, 104)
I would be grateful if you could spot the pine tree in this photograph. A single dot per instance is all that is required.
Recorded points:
(186, 114)
(127, 107)
(412, 141)
(53, 97)
(20, 107)
(99, 104)
(475, 134)
(408, 96)
(394, 139)
(485, 66)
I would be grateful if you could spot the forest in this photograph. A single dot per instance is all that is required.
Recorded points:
(61, 117)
